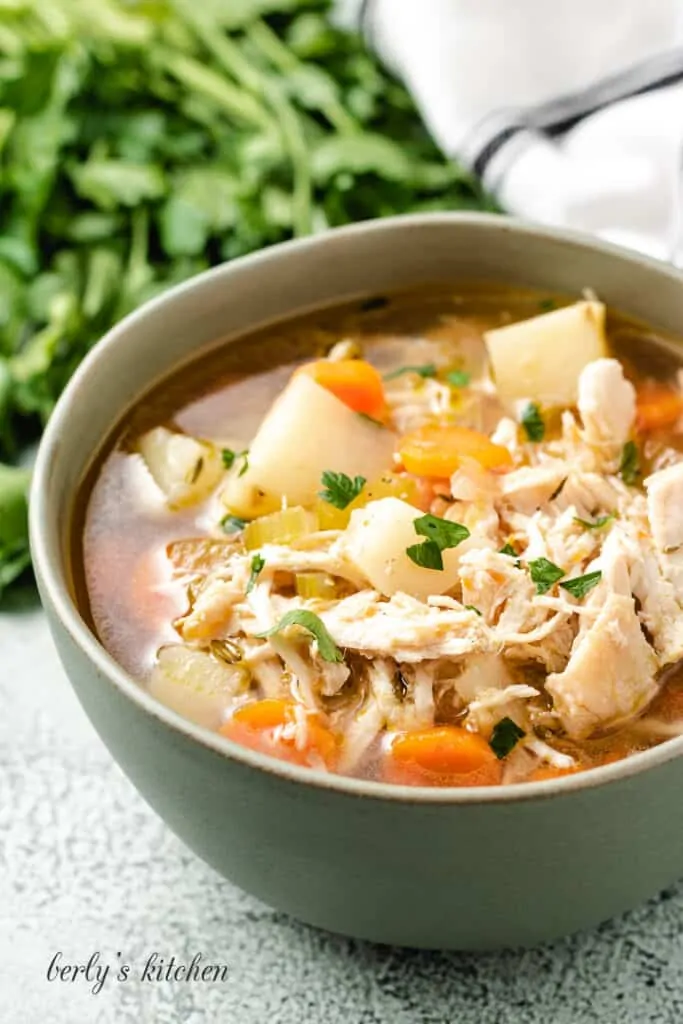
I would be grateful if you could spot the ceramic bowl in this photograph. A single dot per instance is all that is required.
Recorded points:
(461, 868)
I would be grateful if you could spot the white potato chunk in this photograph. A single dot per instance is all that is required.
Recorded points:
(541, 359)
(196, 685)
(375, 541)
(307, 431)
(185, 469)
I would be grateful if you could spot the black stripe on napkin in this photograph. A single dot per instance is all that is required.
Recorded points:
(556, 116)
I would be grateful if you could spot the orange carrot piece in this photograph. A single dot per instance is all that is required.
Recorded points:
(436, 450)
(444, 755)
(657, 407)
(354, 381)
(259, 725)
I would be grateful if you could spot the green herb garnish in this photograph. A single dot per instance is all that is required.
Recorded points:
(458, 378)
(532, 421)
(544, 574)
(547, 305)
(505, 737)
(257, 564)
(427, 370)
(598, 523)
(245, 464)
(472, 608)
(444, 533)
(340, 489)
(629, 468)
(228, 457)
(313, 625)
(507, 549)
(581, 585)
(427, 555)
(233, 524)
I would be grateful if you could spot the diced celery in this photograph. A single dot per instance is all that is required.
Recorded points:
(315, 585)
(280, 527)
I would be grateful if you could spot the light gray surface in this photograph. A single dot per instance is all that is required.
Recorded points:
(85, 866)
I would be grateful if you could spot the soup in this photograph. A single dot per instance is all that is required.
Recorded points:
(432, 539)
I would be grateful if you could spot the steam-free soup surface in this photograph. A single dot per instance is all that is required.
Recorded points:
(431, 538)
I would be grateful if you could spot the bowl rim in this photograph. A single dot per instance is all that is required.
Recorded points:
(56, 592)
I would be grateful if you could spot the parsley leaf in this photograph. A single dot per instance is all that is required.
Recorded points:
(257, 564)
(532, 421)
(233, 524)
(427, 555)
(629, 468)
(427, 370)
(313, 625)
(245, 465)
(340, 489)
(581, 585)
(471, 608)
(547, 305)
(544, 574)
(505, 737)
(228, 456)
(598, 523)
(458, 378)
(444, 533)
(507, 549)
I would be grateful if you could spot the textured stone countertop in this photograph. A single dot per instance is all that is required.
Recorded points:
(86, 867)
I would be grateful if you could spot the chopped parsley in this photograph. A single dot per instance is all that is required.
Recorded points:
(505, 737)
(458, 378)
(257, 564)
(547, 305)
(598, 523)
(532, 421)
(544, 574)
(424, 371)
(313, 625)
(581, 585)
(444, 533)
(229, 457)
(340, 490)
(471, 608)
(427, 555)
(440, 534)
(629, 468)
(233, 524)
(507, 549)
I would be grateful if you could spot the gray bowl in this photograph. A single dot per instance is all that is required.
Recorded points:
(465, 868)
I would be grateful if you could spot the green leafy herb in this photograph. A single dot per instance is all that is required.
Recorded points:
(544, 574)
(427, 555)
(313, 625)
(257, 564)
(532, 421)
(507, 549)
(458, 378)
(340, 490)
(598, 523)
(245, 463)
(148, 141)
(442, 532)
(233, 524)
(228, 457)
(629, 468)
(547, 305)
(428, 370)
(505, 737)
(471, 608)
(581, 585)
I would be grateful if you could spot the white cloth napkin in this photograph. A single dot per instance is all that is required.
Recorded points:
(570, 111)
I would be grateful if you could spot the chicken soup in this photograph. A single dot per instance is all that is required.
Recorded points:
(433, 539)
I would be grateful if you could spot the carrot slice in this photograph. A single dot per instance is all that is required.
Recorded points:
(436, 450)
(354, 381)
(657, 407)
(265, 725)
(444, 755)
